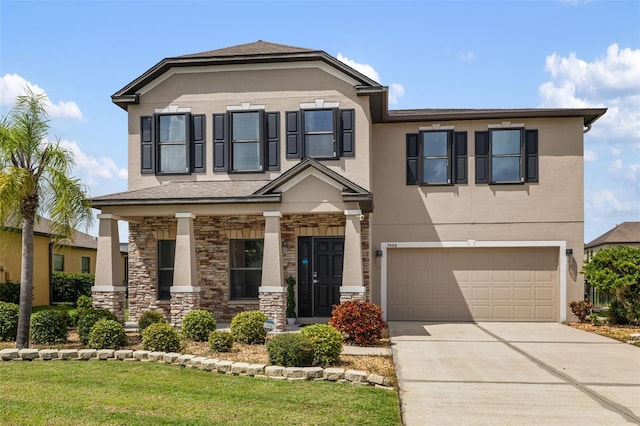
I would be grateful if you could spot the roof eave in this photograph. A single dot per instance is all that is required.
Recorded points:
(270, 198)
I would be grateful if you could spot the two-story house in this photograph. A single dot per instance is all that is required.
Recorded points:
(253, 163)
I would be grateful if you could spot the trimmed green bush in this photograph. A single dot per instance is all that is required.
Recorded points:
(49, 327)
(197, 325)
(67, 287)
(327, 342)
(8, 321)
(149, 317)
(220, 341)
(248, 327)
(290, 350)
(10, 292)
(84, 302)
(161, 337)
(107, 334)
(87, 318)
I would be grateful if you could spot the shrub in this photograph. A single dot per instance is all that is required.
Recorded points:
(581, 308)
(291, 297)
(290, 350)
(248, 327)
(10, 292)
(327, 342)
(149, 317)
(84, 302)
(360, 322)
(73, 317)
(87, 318)
(220, 341)
(616, 313)
(107, 334)
(8, 321)
(161, 337)
(197, 325)
(594, 319)
(66, 287)
(49, 327)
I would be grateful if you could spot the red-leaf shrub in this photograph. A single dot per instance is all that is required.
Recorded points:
(358, 321)
(581, 309)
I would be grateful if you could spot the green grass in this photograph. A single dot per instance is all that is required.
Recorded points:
(115, 393)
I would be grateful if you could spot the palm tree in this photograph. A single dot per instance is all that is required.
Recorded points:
(34, 180)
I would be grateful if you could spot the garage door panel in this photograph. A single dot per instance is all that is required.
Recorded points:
(483, 284)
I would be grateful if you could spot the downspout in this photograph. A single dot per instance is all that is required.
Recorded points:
(587, 129)
(50, 272)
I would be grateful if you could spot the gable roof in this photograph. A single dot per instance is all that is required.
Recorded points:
(44, 227)
(256, 52)
(624, 233)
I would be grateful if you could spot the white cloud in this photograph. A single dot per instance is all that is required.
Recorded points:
(13, 85)
(468, 56)
(624, 172)
(607, 203)
(590, 156)
(396, 90)
(616, 151)
(610, 81)
(92, 169)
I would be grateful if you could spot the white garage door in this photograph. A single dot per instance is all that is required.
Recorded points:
(473, 284)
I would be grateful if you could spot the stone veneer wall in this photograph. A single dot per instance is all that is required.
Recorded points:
(212, 235)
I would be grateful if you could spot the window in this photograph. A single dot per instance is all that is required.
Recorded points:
(436, 157)
(86, 261)
(246, 141)
(58, 263)
(246, 152)
(507, 156)
(166, 257)
(245, 268)
(320, 133)
(172, 143)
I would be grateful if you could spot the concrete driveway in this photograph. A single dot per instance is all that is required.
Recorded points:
(513, 374)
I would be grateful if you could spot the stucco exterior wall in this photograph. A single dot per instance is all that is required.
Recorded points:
(73, 258)
(11, 259)
(551, 209)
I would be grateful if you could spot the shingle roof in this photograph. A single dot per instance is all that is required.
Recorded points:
(256, 48)
(625, 233)
(44, 226)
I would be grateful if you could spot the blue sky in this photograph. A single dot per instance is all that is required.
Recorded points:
(431, 55)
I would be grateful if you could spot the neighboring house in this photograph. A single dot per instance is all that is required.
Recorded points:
(624, 234)
(77, 255)
(256, 162)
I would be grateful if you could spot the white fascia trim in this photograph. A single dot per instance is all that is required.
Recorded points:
(107, 216)
(352, 212)
(271, 289)
(272, 214)
(310, 172)
(506, 125)
(185, 216)
(170, 109)
(184, 289)
(249, 67)
(352, 289)
(561, 245)
(246, 106)
(319, 103)
(108, 288)
(436, 127)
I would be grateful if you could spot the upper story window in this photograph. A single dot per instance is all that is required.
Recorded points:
(436, 157)
(507, 156)
(172, 143)
(320, 133)
(246, 141)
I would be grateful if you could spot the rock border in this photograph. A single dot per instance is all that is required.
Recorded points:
(337, 375)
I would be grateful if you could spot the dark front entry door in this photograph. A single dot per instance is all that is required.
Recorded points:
(320, 275)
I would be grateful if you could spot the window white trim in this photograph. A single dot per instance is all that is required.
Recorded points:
(319, 103)
(435, 127)
(506, 125)
(171, 109)
(561, 245)
(246, 106)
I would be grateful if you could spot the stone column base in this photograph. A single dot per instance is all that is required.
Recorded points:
(110, 298)
(183, 301)
(273, 303)
(353, 293)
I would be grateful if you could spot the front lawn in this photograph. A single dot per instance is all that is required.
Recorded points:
(112, 392)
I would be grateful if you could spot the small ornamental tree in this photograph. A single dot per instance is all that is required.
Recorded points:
(617, 272)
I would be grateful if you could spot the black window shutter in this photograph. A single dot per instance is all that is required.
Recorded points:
(198, 156)
(294, 138)
(273, 140)
(460, 157)
(147, 145)
(347, 133)
(413, 151)
(220, 143)
(531, 155)
(482, 157)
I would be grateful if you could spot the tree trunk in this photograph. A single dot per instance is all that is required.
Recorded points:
(26, 282)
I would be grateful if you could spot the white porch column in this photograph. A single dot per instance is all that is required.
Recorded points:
(352, 276)
(272, 292)
(108, 291)
(185, 294)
